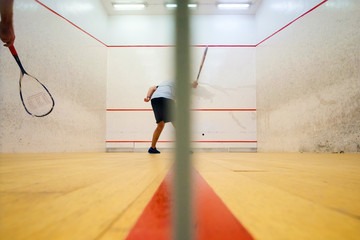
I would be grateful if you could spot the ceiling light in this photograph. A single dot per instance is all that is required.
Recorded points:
(128, 6)
(233, 5)
(174, 5)
(171, 5)
(192, 5)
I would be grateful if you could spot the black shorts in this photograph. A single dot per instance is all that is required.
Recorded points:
(163, 109)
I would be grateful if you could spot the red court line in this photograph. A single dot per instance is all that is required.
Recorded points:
(137, 141)
(212, 219)
(70, 22)
(225, 110)
(155, 221)
(292, 22)
(139, 46)
(225, 46)
(198, 110)
(147, 46)
(128, 110)
(191, 141)
(210, 45)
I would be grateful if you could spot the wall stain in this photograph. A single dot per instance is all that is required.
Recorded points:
(236, 120)
(323, 101)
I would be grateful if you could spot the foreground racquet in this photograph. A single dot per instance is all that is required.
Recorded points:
(34, 96)
(202, 63)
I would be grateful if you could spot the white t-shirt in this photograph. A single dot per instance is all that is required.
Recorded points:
(165, 90)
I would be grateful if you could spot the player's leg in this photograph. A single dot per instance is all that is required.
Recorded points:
(155, 138)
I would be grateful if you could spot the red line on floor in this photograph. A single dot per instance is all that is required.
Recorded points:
(197, 110)
(212, 219)
(292, 22)
(173, 141)
(155, 221)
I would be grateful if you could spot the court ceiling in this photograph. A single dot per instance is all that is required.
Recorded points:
(205, 7)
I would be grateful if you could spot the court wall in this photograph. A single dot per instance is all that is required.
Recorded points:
(142, 55)
(298, 90)
(308, 82)
(74, 68)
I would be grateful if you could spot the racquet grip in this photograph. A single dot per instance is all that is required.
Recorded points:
(12, 50)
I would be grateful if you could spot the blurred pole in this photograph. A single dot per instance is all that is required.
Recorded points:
(183, 203)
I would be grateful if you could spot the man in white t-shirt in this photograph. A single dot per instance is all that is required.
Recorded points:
(162, 101)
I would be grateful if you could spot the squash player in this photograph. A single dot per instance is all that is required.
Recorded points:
(162, 101)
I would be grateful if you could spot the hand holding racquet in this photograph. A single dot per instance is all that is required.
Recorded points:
(34, 96)
(202, 63)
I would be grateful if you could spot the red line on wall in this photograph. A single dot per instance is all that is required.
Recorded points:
(128, 110)
(136, 141)
(225, 141)
(203, 45)
(225, 110)
(229, 46)
(146, 46)
(139, 46)
(212, 219)
(70, 22)
(197, 110)
(173, 141)
(292, 22)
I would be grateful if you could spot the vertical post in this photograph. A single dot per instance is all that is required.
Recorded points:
(183, 206)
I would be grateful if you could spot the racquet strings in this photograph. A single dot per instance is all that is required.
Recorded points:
(35, 97)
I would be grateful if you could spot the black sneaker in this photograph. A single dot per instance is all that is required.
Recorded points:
(153, 150)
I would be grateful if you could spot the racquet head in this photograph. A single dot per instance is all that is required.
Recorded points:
(34, 96)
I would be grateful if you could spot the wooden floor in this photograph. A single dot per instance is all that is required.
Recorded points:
(101, 195)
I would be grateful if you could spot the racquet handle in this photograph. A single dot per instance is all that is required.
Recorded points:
(17, 59)
(12, 50)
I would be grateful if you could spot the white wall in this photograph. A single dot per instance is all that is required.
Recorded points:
(159, 29)
(73, 67)
(308, 82)
(227, 80)
(139, 30)
(307, 77)
(223, 29)
(272, 15)
(89, 15)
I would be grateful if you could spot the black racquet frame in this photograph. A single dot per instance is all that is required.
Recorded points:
(22, 73)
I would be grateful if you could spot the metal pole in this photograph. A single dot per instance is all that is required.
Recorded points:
(183, 206)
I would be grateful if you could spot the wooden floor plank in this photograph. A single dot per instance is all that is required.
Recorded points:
(65, 198)
(284, 196)
(100, 195)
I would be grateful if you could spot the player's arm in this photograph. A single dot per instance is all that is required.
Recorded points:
(7, 34)
(150, 93)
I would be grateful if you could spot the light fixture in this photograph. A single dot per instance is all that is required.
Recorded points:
(233, 5)
(174, 5)
(192, 5)
(129, 6)
(171, 5)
